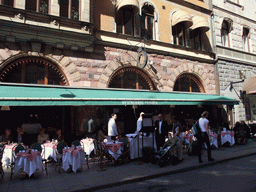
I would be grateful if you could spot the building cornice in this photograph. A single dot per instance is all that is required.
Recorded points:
(20, 32)
(192, 6)
(152, 46)
(229, 54)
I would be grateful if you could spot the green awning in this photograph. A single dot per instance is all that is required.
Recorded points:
(41, 95)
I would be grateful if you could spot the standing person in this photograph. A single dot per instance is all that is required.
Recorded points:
(112, 128)
(19, 135)
(204, 138)
(161, 131)
(177, 129)
(139, 122)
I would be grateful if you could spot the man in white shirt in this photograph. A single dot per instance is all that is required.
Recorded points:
(139, 122)
(204, 138)
(112, 128)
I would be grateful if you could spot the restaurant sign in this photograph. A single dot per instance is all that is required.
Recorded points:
(139, 102)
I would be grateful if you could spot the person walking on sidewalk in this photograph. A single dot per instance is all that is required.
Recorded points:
(204, 138)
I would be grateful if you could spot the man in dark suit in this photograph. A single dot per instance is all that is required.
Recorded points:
(161, 131)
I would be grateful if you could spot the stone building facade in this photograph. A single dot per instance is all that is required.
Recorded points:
(235, 49)
(95, 44)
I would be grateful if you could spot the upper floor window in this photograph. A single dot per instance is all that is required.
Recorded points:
(181, 21)
(126, 21)
(196, 37)
(225, 33)
(179, 34)
(69, 9)
(41, 6)
(7, 2)
(147, 22)
(245, 39)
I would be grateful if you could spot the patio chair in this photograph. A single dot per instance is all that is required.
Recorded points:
(60, 147)
(17, 149)
(38, 147)
(125, 156)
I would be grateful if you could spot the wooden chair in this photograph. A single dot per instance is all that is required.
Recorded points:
(38, 147)
(17, 149)
(60, 147)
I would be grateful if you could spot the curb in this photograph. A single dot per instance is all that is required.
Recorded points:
(143, 178)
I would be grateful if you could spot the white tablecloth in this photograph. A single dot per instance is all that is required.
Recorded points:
(49, 151)
(75, 161)
(116, 154)
(28, 166)
(147, 142)
(8, 155)
(214, 139)
(88, 145)
(227, 136)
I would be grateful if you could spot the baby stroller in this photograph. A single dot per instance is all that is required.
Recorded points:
(166, 154)
(241, 137)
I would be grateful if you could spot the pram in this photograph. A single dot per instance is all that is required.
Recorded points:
(166, 154)
(241, 137)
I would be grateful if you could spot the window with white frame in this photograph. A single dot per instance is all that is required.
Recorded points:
(246, 39)
(225, 34)
(69, 9)
(40, 6)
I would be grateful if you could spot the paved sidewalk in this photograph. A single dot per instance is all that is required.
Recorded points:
(91, 179)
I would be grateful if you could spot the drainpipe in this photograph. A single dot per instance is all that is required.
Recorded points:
(216, 59)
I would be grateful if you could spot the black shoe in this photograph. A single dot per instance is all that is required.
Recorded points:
(211, 159)
(200, 161)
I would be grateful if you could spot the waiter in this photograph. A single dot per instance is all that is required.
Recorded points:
(139, 122)
(112, 128)
(161, 131)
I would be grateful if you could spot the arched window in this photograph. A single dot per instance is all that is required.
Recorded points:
(131, 78)
(225, 33)
(147, 22)
(125, 20)
(41, 6)
(32, 70)
(245, 37)
(188, 83)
